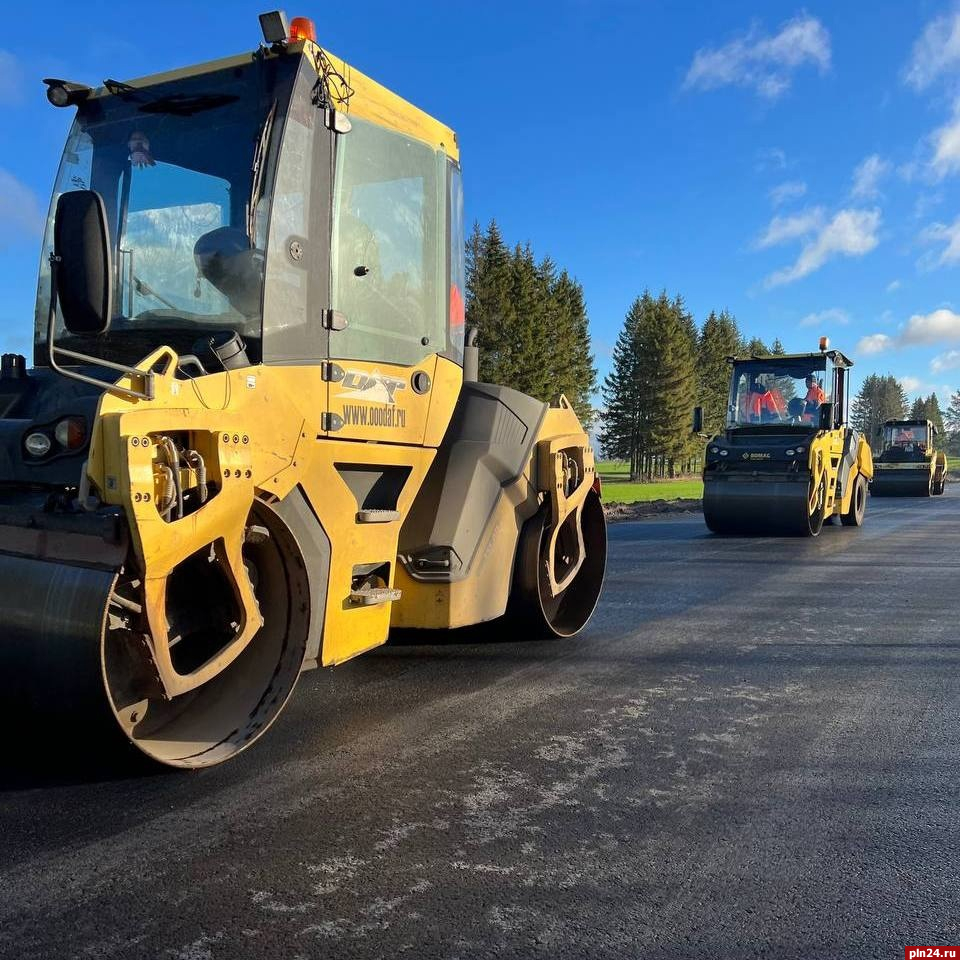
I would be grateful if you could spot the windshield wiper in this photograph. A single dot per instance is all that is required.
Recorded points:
(145, 290)
(262, 141)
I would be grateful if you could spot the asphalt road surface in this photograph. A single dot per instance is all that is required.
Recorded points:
(751, 751)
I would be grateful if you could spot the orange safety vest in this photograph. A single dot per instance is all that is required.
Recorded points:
(756, 403)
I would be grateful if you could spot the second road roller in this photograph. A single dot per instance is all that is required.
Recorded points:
(252, 439)
(786, 460)
(908, 465)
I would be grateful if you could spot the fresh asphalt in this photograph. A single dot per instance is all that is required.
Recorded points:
(753, 750)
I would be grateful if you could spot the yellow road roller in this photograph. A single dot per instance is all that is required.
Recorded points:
(908, 465)
(786, 461)
(252, 439)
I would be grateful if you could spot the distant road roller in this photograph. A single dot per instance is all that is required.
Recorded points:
(247, 445)
(786, 461)
(908, 465)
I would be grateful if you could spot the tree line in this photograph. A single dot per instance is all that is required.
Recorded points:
(663, 365)
(531, 321)
(882, 398)
(534, 336)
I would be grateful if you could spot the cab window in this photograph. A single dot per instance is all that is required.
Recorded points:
(389, 251)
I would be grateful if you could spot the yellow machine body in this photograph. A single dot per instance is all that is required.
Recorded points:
(908, 464)
(275, 513)
(787, 460)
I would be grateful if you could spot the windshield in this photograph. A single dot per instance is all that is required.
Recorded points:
(174, 164)
(778, 391)
(906, 437)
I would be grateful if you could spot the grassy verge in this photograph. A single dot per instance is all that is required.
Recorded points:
(617, 488)
(645, 492)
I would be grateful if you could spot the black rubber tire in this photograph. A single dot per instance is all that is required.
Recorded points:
(531, 604)
(858, 504)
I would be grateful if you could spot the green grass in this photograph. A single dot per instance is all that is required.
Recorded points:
(618, 489)
(644, 492)
(613, 469)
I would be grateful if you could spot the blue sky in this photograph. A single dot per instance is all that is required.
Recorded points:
(798, 165)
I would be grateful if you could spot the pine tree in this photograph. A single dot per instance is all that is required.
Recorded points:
(532, 322)
(671, 353)
(928, 408)
(952, 416)
(757, 348)
(718, 340)
(488, 303)
(571, 361)
(777, 349)
(935, 414)
(623, 432)
(879, 399)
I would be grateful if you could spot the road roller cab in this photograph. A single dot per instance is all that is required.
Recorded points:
(785, 460)
(908, 465)
(247, 446)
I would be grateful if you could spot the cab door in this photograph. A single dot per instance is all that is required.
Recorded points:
(389, 271)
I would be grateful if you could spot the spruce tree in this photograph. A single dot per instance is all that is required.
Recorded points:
(928, 408)
(952, 416)
(622, 432)
(879, 399)
(670, 353)
(718, 340)
(532, 322)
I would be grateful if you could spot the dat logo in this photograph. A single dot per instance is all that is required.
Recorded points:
(373, 387)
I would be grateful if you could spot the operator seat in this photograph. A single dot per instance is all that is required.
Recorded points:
(225, 258)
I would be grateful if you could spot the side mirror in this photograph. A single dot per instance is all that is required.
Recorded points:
(826, 416)
(697, 420)
(81, 248)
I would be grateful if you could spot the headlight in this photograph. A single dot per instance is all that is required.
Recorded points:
(71, 432)
(801, 449)
(714, 449)
(37, 444)
(723, 453)
(790, 453)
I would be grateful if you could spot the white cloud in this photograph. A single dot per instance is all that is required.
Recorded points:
(790, 190)
(949, 235)
(850, 233)
(922, 329)
(893, 286)
(945, 361)
(825, 318)
(11, 78)
(875, 343)
(935, 52)
(782, 229)
(867, 177)
(941, 326)
(946, 146)
(762, 62)
(20, 213)
(910, 384)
